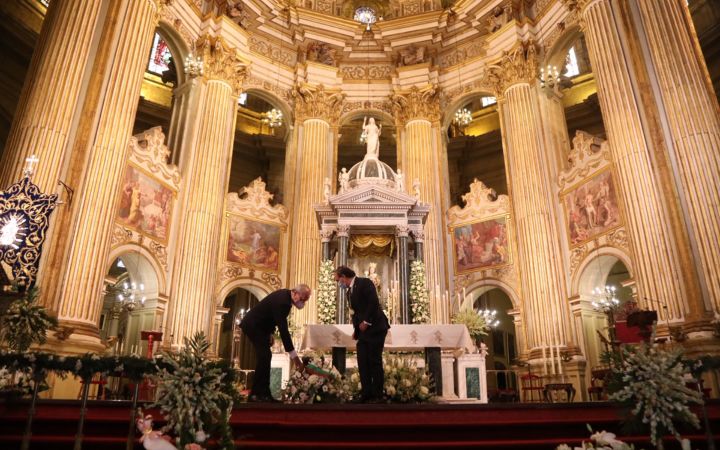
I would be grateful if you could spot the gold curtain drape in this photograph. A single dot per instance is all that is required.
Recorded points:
(362, 245)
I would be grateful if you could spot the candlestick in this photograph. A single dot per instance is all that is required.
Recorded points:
(545, 371)
(560, 368)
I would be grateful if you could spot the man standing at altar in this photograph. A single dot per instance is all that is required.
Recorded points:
(370, 328)
(259, 324)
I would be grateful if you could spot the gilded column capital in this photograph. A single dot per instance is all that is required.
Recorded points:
(578, 5)
(416, 104)
(326, 235)
(221, 62)
(402, 231)
(315, 102)
(519, 65)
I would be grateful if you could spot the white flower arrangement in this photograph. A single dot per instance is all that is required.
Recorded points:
(322, 386)
(326, 293)
(405, 382)
(652, 382)
(604, 440)
(419, 300)
(191, 392)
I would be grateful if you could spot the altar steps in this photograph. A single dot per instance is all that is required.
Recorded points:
(260, 426)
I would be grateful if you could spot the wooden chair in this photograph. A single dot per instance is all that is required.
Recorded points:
(531, 386)
(596, 390)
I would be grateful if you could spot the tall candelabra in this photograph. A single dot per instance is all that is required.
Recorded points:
(237, 333)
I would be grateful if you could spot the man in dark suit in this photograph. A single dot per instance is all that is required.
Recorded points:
(370, 328)
(259, 325)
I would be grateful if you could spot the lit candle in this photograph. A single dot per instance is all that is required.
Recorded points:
(560, 369)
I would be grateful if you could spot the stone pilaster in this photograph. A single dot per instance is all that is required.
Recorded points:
(417, 115)
(660, 277)
(48, 104)
(191, 307)
(80, 282)
(690, 111)
(545, 308)
(317, 110)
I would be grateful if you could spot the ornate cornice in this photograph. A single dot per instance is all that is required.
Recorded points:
(254, 201)
(314, 102)
(416, 104)
(148, 150)
(519, 65)
(221, 62)
(480, 202)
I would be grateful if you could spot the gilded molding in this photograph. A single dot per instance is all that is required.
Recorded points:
(121, 236)
(519, 65)
(384, 106)
(315, 102)
(148, 150)
(416, 104)
(221, 62)
(588, 155)
(254, 201)
(479, 203)
(170, 16)
(274, 52)
(372, 72)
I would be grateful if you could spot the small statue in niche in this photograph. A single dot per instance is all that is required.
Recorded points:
(321, 53)
(344, 179)
(236, 12)
(411, 55)
(372, 275)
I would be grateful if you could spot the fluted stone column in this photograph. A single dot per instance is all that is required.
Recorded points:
(417, 115)
(316, 110)
(690, 110)
(545, 307)
(79, 295)
(404, 276)
(658, 271)
(191, 302)
(48, 104)
(343, 236)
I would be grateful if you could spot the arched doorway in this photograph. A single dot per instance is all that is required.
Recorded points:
(501, 342)
(233, 345)
(474, 146)
(259, 147)
(130, 304)
(601, 271)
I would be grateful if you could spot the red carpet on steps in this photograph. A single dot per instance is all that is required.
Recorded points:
(257, 426)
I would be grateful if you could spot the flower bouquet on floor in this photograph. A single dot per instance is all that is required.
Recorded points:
(319, 383)
(405, 382)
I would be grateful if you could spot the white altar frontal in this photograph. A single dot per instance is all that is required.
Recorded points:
(462, 372)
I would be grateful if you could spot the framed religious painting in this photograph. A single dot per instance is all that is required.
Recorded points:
(253, 243)
(481, 245)
(145, 204)
(591, 208)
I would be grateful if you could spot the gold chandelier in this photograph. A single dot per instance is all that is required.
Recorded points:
(463, 117)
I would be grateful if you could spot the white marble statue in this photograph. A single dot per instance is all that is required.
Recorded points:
(400, 180)
(344, 179)
(372, 133)
(326, 191)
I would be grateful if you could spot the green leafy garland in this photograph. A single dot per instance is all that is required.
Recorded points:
(419, 301)
(326, 293)
(26, 323)
(193, 395)
(650, 381)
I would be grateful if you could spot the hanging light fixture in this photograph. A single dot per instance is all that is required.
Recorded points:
(131, 295)
(463, 117)
(489, 316)
(273, 118)
(549, 77)
(194, 65)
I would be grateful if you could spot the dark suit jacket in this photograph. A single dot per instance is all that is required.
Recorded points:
(366, 307)
(271, 312)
